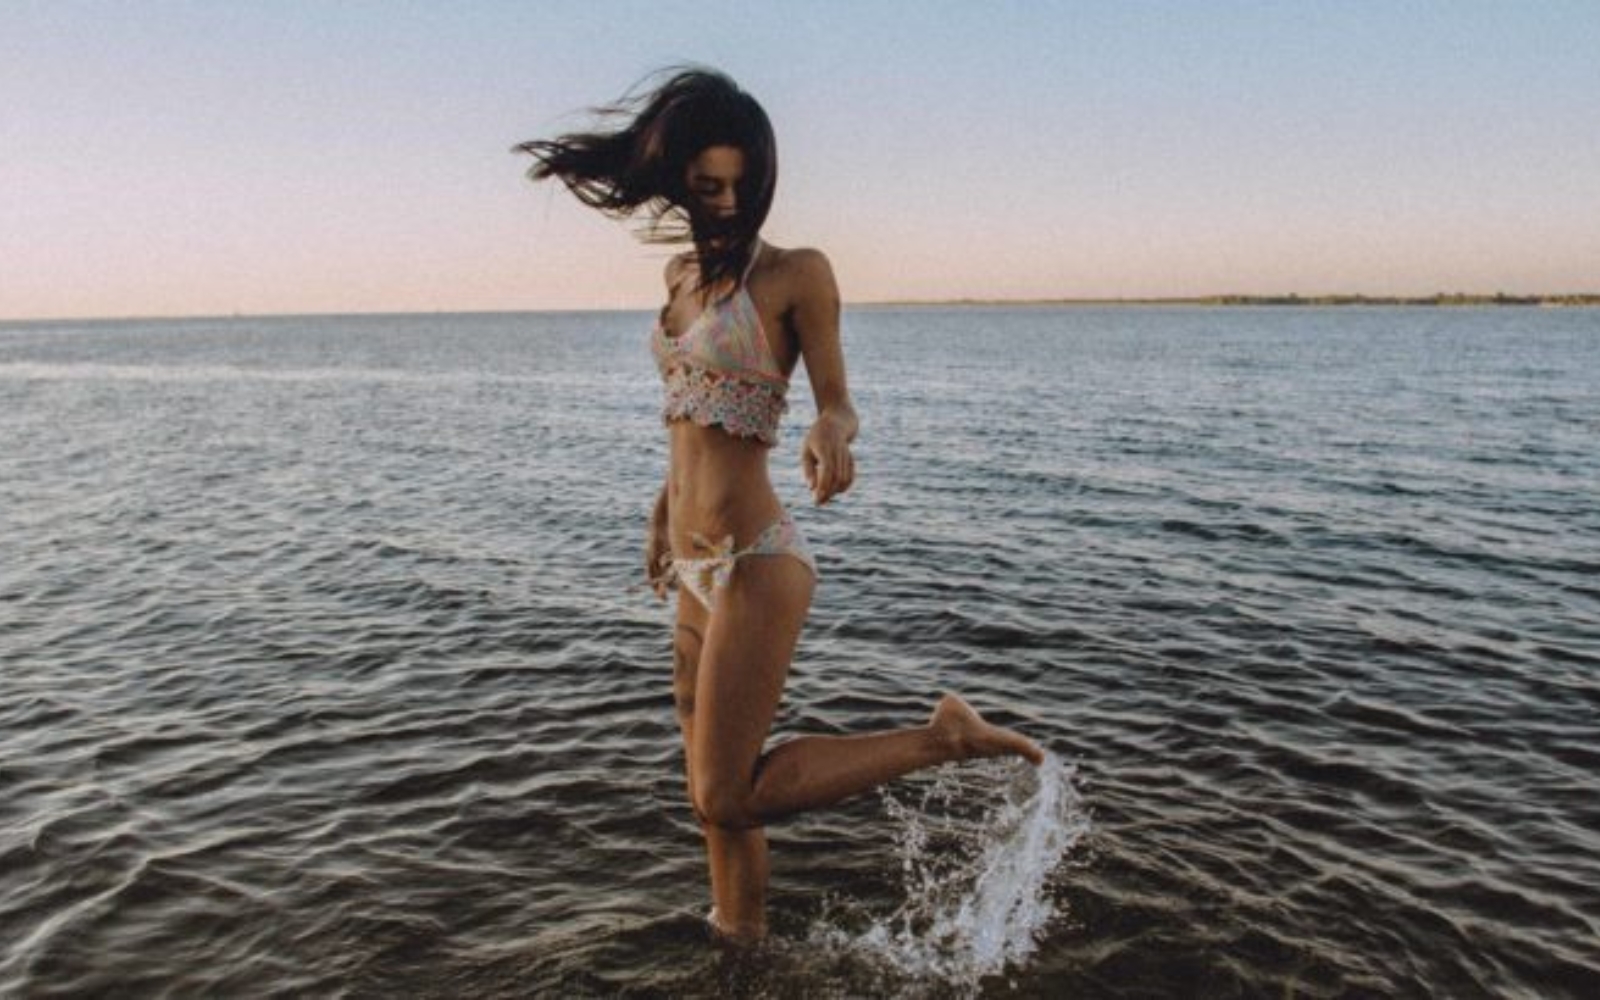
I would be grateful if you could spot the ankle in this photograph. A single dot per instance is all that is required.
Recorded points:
(738, 932)
(944, 743)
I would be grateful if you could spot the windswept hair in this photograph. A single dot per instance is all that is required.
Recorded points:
(636, 161)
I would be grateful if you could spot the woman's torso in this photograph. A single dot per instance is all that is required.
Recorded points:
(717, 481)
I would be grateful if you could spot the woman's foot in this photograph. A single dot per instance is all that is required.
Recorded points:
(960, 728)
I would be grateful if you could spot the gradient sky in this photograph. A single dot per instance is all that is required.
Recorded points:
(161, 158)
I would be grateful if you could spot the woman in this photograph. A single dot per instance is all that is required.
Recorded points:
(697, 154)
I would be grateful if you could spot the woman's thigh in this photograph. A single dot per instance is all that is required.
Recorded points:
(687, 640)
(744, 661)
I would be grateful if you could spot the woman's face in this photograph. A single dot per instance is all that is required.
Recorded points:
(712, 179)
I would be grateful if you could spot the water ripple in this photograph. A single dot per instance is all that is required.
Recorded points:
(324, 666)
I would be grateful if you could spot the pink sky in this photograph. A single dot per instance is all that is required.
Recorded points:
(304, 158)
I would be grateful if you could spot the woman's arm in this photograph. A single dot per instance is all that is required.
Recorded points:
(825, 457)
(657, 546)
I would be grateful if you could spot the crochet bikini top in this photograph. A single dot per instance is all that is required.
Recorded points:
(720, 371)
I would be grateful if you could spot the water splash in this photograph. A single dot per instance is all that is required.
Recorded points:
(975, 871)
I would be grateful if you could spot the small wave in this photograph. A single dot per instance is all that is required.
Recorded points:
(976, 881)
(46, 371)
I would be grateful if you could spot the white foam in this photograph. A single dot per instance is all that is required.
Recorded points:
(975, 871)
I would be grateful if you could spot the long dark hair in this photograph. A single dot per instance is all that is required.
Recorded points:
(639, 164)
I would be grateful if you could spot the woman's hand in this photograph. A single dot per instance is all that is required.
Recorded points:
(825, 457)
(658, 548)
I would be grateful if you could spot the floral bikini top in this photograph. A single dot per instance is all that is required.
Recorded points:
(720, 371)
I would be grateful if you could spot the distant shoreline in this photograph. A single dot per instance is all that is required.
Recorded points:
(1441, 300)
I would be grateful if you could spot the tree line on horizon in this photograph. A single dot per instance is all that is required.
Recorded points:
(1437, 299)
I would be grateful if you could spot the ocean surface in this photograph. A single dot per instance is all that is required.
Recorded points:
(326, 669)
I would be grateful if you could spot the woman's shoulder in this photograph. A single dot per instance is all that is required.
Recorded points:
(677, 266)
(793, 258)
(800, 269)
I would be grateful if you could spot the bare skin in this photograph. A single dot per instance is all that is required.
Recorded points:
(730, 666)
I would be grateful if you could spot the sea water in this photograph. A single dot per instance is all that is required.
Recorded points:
(324, 666)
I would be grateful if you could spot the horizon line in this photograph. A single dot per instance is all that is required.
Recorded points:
(1221, 300)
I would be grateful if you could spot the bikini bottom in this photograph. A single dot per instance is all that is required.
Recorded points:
(704, 575)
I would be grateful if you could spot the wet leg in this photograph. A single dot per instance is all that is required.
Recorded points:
(737, 857)
(742, 669)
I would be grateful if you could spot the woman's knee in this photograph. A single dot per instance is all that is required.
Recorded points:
(724, 801)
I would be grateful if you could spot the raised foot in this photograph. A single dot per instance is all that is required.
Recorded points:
(960, 727)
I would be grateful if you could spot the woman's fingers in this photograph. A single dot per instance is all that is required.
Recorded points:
(656, 559)
(829, 483)
(841, 472)
(822, 481)
(828, 467)
(819, 472)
